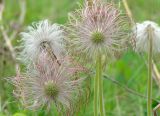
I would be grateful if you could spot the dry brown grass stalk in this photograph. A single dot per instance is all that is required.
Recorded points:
(8, 38)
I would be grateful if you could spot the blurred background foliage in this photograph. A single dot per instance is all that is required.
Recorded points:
(130, 71)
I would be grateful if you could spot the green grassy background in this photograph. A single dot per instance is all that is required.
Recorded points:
(130, 70)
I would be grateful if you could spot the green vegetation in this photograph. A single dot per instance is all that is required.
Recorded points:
(129, 71)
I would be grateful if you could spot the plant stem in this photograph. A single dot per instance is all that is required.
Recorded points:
(129, 13)
(99, 71)
(156, 73)
(131, 91)
(96, 87)
(90, 3)
(47, 46)
(96, 79)
(150, 55)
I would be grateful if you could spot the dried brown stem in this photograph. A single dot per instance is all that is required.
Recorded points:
(156, 74)
(21, 18)
(129, 13)
(155, 110)
(8, 38)
(50, 52)
(9, 45)
(1, 8)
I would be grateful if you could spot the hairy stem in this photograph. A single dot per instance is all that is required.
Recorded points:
(96, 79)
(50, 52)
(150, 55)
(96, 87)
(100, 81)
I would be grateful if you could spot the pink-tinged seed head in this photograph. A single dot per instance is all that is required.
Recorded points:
(47, 83)
(100, 29)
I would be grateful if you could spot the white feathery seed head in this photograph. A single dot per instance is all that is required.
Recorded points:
(142, 36)
(39, 33)
(100, 29)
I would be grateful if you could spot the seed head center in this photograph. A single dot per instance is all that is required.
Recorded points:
(97, 37)
(51, 89)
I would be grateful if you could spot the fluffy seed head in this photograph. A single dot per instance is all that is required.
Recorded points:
(46, 84)
(36, 35)
(142, 36)
(100, 29)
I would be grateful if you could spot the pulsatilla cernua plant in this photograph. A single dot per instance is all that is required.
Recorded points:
(52, 77)
(48, 84)
(147, 41)
(97, 29)
(60, 59)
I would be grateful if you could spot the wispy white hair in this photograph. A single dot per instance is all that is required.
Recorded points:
(142, 36)
(38, 33)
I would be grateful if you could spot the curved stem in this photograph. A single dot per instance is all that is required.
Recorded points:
(47, 46)
(129, 13)
(131, 91)
(150, 55)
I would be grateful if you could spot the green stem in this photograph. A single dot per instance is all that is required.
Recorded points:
(96, 86)
(99, 67)
(150, 54)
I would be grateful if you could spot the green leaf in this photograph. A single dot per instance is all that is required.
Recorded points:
(18, 114)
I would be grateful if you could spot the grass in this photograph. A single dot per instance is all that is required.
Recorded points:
(130, 70)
